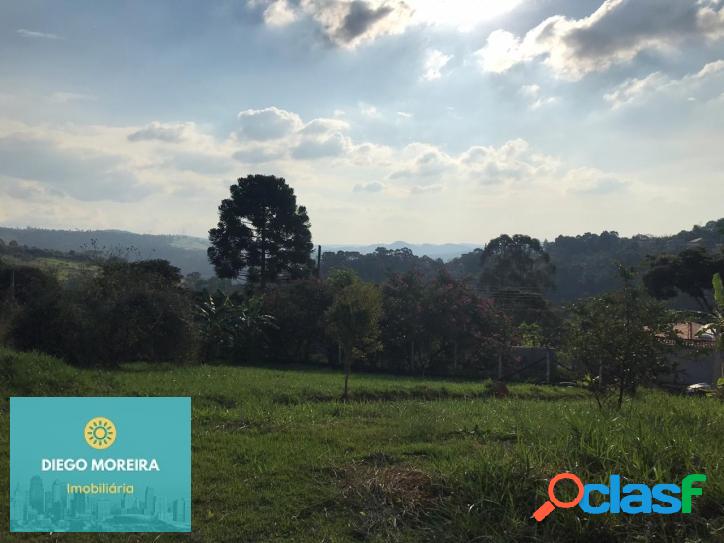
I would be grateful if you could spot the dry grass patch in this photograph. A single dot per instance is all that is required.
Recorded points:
(387, 498)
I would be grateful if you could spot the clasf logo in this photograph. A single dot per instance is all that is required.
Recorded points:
(632, 499)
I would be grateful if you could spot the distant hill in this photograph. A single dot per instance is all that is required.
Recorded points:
(186, 252)
(443, 251)
(586, 264)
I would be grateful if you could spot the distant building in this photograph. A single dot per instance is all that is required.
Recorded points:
(699, 361)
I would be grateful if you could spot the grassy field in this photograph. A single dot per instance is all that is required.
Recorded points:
(277, 458)
(63, 269)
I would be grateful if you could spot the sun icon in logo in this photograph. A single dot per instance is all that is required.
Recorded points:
(100, 433)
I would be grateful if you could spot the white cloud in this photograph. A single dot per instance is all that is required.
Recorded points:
(66, 97)
(32, 34)
(531, 91)
(82, 173)
(280, 13)
(435, 61)
(345, 23)
(325, 126)
(615, 33)
(691, 87)
(331, 145)
(368, 110)
(268, 123)
(81, 169)
(405, 115)
(164, 132)
(533, 94)
(417, 190)
(350, 23)
(373, 186)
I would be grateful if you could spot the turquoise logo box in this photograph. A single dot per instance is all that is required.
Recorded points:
(100, 464)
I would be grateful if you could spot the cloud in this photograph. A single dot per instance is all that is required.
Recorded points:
(533, 95)
(325, 126)
(615, 33)
(418, 190)
(344, 23)
(514, 165)
(257, 154)
(405, 115)
(268, 123)
(327, 146)
(32, 34)
(592, 182)
(164, 132)
(199, 162)
(83, 174)
(428, 164)
(374, 186)
(280, 13)
(66, 97)
(368, 110)
(704, 84)
(435, 61)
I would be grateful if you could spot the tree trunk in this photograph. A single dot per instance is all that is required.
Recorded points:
(621, 387)
(548, 366)
(263, 257)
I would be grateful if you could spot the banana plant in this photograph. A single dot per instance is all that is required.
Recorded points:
(217, 315)
(716, 325)
(226, 325)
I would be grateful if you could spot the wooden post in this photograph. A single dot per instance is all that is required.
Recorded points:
(500, 367)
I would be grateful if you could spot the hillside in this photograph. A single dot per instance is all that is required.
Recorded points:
(186, 252)
(586, 264)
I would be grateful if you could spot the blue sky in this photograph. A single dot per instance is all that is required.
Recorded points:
(416, 120)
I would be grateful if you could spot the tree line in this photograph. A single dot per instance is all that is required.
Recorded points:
(272, 303)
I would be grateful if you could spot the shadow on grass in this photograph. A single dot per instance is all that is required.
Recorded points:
(424, 393)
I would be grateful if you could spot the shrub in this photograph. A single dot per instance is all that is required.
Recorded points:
(129, 311)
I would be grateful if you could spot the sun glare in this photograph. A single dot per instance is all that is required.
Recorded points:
(462, 14)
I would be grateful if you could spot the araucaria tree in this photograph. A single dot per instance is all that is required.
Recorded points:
(262, 233)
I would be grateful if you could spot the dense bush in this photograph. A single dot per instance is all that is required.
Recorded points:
(439, 326)
(128, 311)
(298, 310)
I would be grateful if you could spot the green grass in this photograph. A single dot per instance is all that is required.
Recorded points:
(277, 458)
(62, 269)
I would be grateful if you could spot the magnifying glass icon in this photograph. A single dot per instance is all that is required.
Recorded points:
(547, 508)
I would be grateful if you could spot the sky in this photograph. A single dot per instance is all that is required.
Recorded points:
(419, 120)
